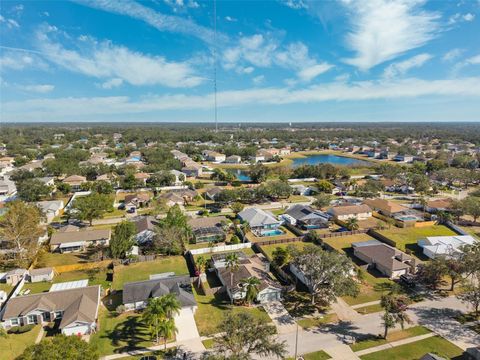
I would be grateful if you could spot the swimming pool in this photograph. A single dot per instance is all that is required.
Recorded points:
(272, 232)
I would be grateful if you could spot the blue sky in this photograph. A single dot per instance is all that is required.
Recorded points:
(285, 60)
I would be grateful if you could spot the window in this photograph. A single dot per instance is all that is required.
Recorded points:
(14, 321)
(31, 319)
(58, 314)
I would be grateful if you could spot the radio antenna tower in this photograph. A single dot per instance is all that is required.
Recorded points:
(215, 61)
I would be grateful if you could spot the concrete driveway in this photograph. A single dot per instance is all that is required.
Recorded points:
(185, 323)
(281, 318)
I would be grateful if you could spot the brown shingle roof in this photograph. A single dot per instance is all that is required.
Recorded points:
(206, 222)
(82, 235)
(350, 209)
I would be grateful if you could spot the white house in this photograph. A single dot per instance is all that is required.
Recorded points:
(445, 246)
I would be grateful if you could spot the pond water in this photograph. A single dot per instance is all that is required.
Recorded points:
(242, 175)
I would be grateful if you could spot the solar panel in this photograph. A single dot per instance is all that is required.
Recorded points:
(69, 285)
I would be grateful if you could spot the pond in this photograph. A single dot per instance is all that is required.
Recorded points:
(242, 174)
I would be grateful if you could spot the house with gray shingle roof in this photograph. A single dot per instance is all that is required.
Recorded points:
(261, 222)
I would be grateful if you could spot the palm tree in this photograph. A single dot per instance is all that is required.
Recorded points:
(153, 314)
(231, 263)
(251, 285)
(170, 304)
(167, 329)
(201, 263)
(352, 224)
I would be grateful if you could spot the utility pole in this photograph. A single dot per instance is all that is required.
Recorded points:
(215, 61)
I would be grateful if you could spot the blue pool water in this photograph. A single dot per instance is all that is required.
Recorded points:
(272, 232)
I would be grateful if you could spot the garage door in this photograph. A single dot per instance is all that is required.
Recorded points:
(75, 330)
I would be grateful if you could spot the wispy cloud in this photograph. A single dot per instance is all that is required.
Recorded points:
(10, 23)
(19, 59)
(104, 60)
(162, 22)
(452, 55)
(264, 50)
(111, 83)
(39, 88)
(402, 67)
(63, 108)
(381, 30)
(295, 4)
(458, 17)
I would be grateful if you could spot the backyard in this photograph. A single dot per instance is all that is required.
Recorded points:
(141, 270)
(416, 350)
(406, 238)
(287, 234)
(269, 249)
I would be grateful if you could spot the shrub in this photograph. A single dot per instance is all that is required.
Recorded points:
(120, 309)
(234, 240)
(21, 329)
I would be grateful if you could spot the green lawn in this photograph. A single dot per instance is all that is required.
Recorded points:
(142, 270)
(316, 322)
(393, 336)
(212, 308)
(369, 309)
(48, 259)
(120, 333)
(297, 198)
(317, 355)
(207, 256)
(14, 344)
(344, 243)
(5, 287)
(209, 343)
(406, 238)
(417, 349)
(95, 277)
(269, 249)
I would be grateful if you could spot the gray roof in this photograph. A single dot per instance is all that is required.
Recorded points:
(144, 290)
(383, 254)
(145, 223)
(303, 213)
(81, 235)
(257, 217)
(41, 271)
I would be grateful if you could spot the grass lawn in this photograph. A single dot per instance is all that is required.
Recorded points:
(212, 308)
(369, 309)
(48, 259)
(344, 243)
(142, 270)
(209, 343)
(472, 230)
(278, 212)
(159, 354)
(417, 349)
(406, 238)
(297, 198)
(96, 276)
(287, 235)
(207, 256)
(316, 322)
(14, 344)
(5, 287)
(317, 355)
(269, 249)
(120, 333)
(393, 336)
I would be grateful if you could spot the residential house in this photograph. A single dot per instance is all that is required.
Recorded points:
(179, 177)
(233, 159)
(300, 189)
(71, 241)
(14, 276)
(47, 181)
(255, 266)
(258, 157)
(8, 190)
(403, 158)
(192, 169)
(305, 217)
(213, 156)
(445, 246)
(208, 229)
(40, 275)
(75, 181)
(145, 229)
(50, 208)
(172, 198)
(212, 193)
(385, 207)
(345, 212)
(285, 151)
(436, 205)
(35, 164)
(388, 260)
(261, 222)
(77, 310)
(138, 200)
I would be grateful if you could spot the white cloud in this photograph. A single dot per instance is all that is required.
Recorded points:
(18, 59)
(295, 4)
(474, 60)
(111, 83)
(402, 67)
(382, 29)
(40, 88)
(458, 17)
(105, 60)
(161, 22)
(452, 55)
(230, 19)
(10, 23)
(63, 108)
(263, 50)
(258, 80)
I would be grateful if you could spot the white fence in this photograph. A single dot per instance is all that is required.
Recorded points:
(221, 248)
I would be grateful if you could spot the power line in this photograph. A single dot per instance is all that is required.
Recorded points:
(215, 61)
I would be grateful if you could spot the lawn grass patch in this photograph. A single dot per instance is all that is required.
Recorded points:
(344, 243)
(211, 309)
(392, 336)
(14, 344)
(407, 238)
(208, 256)
(208, 343)
(416, 350)
(269, 249)
(141, 270)
(315, 322)
(369, 309)
(48, 259)
(317, 355)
